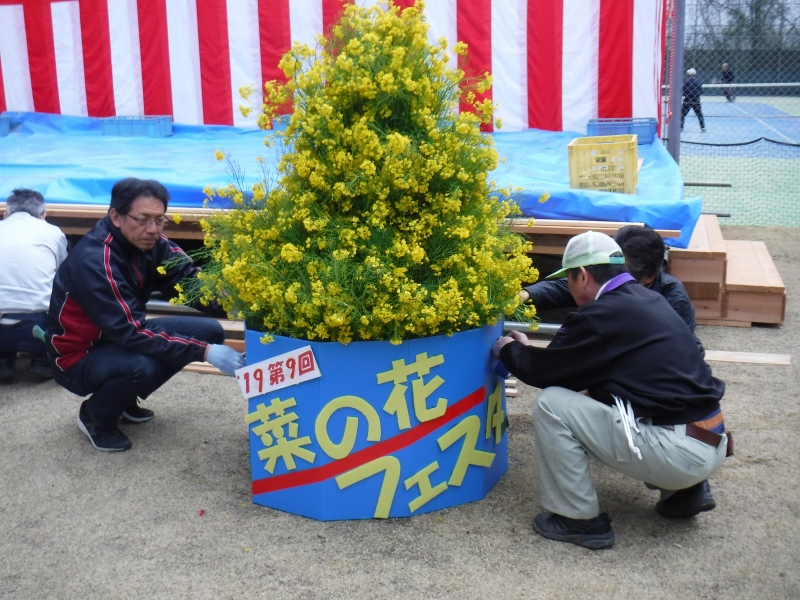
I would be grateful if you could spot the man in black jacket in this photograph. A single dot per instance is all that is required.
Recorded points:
(644, 255)
(729, 78)
(692, 89)
(623, 382)
(101, 341)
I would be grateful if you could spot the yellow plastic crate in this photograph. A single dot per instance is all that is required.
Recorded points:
(604, 163)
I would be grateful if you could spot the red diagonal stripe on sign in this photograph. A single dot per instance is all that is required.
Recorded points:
(362, 457)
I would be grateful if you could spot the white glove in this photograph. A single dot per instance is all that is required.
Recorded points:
(225, 358)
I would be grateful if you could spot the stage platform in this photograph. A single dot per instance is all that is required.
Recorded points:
(71, 162)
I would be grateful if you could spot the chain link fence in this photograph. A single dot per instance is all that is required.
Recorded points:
(744, 128)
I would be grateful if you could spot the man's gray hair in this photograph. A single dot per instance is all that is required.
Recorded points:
(29, 201)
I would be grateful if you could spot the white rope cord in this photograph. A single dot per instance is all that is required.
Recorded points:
(629, 421)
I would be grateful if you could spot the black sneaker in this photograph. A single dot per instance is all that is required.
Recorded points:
(687, 502)
(107, 439)
(590, 533)
(40, 367)
(137, 414)
(7, 370)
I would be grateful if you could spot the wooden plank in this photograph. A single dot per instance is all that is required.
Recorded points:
(702, 290)
(237, 345)
(549, 250)
(204, 368)
(749, 357)
(706, 241)
(756, 307)
(771, 275)
(571, 228)
(751, 269)
(723, 322)
(709, 309)
(700, 270)
(79, 219)
(98, 211)
(228, 325)
(715, 240)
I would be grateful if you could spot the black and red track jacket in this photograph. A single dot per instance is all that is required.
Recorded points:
(99, 296)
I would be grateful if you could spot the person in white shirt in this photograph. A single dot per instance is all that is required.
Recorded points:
(30, 252)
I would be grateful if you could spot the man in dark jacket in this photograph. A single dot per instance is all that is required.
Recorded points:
(623, 382)
(101, 341)
(692, 89)
(729, 78)
(644, 255)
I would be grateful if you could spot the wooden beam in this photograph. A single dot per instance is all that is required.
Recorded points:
(749, 357)
(706, 241)
(725, 322)
(568, 227)
(751, 269)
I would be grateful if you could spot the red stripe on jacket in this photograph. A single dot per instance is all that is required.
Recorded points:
(79, 332)
(127, 309)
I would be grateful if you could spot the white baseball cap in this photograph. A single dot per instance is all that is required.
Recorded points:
(691, 72)
(586, 249)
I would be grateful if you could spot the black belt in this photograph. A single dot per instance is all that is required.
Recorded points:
(706, 436)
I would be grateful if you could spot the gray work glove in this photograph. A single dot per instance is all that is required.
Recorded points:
(225, 358)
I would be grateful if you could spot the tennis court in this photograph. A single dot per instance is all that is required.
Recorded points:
(753, 144)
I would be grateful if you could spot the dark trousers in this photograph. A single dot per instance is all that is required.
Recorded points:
(698, 110)
(115, 375)
(19, 337)
(730, 94)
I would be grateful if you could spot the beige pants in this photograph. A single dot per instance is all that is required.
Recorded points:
(571, 427)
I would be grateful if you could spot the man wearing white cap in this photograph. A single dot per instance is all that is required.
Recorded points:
(692, 90)
(649, 407)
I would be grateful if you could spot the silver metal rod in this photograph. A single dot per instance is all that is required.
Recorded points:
(543, 328)
(708, 184)
(676, 91)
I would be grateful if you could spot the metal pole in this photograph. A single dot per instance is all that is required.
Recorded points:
(675, 91)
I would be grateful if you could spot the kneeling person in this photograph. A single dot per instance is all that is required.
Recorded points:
(101, 341)
(651, 408)
(31, 250)
(644, 252)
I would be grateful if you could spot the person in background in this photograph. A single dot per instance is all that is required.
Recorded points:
(623, 382)
(728, 78)
(101, 341)
(644, 256)
(30, 252)
(692, 90)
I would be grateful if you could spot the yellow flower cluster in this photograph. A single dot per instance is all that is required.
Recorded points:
(383, 224)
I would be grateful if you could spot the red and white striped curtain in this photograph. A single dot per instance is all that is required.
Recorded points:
(556, 63)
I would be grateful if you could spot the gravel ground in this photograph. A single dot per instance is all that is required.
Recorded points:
(77, 523)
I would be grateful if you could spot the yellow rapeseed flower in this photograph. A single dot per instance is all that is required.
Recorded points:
(382, 223)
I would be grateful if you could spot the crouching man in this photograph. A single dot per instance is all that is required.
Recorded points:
(649, 408)
(30, 252)
(101, 341)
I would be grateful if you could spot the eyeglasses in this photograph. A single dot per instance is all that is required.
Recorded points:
(159, 222)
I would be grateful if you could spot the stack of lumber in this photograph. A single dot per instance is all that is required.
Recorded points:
(729, 282)
(702, 268)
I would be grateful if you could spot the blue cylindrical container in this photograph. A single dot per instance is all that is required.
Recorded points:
(385, 431)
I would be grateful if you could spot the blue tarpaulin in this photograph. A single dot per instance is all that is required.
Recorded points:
(69, 161)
